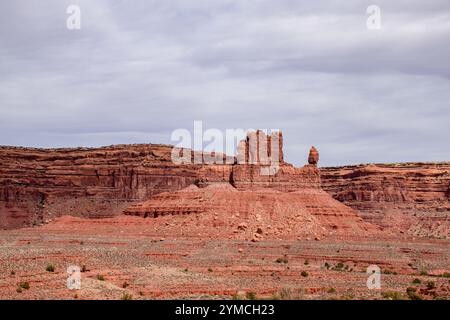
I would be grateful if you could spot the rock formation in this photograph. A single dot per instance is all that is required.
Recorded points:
(37, 185)
(313, 157)
(303, 213)
(259, 148)
(409, 197)
(289, 201)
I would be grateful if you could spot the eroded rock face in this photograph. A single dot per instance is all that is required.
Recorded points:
(259, 148)
(286, 178)
(409, 197)
(287, 201)
(37, 185)
(257, 214)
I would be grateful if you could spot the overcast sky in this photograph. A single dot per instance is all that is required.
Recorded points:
(137, 70)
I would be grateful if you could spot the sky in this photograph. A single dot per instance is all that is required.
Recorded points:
(138, 70)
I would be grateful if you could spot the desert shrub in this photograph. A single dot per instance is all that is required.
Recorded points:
(285, 294)
(282, 260)
(339, 266)
(13, 272)
(127, 296)
(431, 285)
(411, 289)
(275, 296)
(250, 295)
(125, 284)
(416, 281)
(84, 268)
(306, 262)
(288, 293)
(50, 268)
(19, 290)
(412, 294)
(331, 290)
(387, 271)
(236, 297)
(327, 265)
(100, 277)
(423, 273)
(446, 274)
(210, 270)
(24, 285)
(392, 295)
(240, 295)
(304, 274)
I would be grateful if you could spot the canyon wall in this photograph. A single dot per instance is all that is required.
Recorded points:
(408, 197)
(39, 184)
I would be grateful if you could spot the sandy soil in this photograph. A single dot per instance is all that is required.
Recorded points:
(157, 259)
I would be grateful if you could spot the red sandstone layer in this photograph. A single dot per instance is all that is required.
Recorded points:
(256, 214)
(410, 197)
(37, 185)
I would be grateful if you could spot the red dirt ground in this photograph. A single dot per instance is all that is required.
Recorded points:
(175, 257)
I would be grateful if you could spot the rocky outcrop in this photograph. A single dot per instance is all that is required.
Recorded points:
(262, 195)
(286, 178)
(37, 185)
(313, 157)
(259, 148)
(408, 197)
(258, 214)
(260, 164)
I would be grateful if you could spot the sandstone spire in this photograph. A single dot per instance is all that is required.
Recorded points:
(313, 157)
(262, 149)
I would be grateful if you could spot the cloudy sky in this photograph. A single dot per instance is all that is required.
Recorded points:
(137, 70)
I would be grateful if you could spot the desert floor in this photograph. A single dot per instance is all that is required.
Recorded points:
(132, 257)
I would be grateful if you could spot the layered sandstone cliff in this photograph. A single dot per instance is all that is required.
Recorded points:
(39, 184)
(257, 214)
(259, 197)
(408, 197)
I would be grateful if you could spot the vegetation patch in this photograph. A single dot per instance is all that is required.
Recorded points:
(392, 295)
(50, 268)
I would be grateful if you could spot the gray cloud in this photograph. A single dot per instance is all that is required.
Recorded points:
(137, 70)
